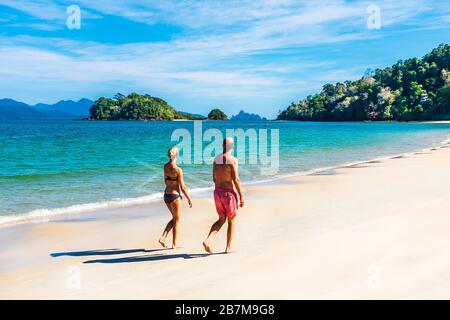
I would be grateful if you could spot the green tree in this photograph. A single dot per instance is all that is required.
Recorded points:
(443, 101)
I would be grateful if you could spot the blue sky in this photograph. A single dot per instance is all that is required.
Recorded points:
(252, 55)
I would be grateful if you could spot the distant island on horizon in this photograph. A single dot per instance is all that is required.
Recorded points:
(244, 116)
(65, 109)
(142, 107)
(146, 107)
(131, 107)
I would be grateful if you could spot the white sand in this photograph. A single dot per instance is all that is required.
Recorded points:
(379, 230)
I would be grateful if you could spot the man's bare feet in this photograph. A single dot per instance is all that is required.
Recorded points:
(207, 247)
(162, 241)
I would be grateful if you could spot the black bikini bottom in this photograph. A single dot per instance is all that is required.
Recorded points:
(169, 197)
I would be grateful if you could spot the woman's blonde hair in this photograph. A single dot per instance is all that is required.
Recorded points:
(172, 153)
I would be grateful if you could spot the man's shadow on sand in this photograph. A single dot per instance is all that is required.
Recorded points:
(142, 258)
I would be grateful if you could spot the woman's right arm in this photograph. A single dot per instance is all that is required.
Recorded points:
(183, 187)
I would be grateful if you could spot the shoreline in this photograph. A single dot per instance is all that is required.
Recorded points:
(49, 215)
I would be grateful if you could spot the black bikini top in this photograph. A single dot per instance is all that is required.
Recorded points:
(170, 178)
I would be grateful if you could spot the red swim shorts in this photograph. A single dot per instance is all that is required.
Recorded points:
(226, 202)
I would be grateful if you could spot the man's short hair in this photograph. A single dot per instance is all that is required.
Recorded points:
(228, 144)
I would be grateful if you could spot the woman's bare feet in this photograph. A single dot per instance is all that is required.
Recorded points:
(162, 241)
(207, 247)
(174, 246)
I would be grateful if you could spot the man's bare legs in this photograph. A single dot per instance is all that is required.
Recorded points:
(230, 234)
(173, 225)
(214, 229)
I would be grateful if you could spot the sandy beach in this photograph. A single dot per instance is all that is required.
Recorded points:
(368, 231)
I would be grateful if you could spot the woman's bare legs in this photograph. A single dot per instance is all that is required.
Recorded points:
(173, 225)
(176, 212)
(169, 226)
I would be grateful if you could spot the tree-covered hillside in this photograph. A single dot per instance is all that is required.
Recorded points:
(133, 107)
(414, 89)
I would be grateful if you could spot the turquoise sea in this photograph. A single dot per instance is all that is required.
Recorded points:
(53, 167)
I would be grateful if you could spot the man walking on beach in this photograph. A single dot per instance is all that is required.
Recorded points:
(225, 176)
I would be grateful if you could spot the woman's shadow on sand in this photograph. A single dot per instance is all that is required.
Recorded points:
(142, 258)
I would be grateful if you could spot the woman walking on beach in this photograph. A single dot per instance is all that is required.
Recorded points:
(173, 178)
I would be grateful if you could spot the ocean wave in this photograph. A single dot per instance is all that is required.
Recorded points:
(44, 215)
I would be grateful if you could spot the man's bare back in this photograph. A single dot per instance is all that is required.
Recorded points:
(224, 171)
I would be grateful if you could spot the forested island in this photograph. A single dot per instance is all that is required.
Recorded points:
(143, 107)
(414, 89)
(217, 114)
(132, 107)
